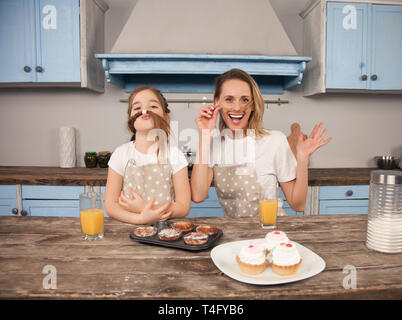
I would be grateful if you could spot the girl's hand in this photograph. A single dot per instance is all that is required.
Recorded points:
(306, 147)
(160, 214)
(135, 205)
(206, 120)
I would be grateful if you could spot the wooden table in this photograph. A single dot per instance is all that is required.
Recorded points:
(119, 268)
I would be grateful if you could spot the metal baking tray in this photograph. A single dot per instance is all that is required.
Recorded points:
(179, 243)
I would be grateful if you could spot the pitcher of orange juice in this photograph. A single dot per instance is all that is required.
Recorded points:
(269, 206)
(91, 213)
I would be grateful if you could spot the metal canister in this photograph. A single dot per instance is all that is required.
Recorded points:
(384, 221)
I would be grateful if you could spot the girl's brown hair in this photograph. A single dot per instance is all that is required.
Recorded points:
(159, 122)
(256, 116)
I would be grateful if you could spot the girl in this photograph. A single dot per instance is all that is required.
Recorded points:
(239, 176)
(147, 178)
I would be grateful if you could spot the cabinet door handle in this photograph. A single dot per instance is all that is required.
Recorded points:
(14, 211)
(27, 69)
(374, 77)
(349, 193)
(39, 69)
(24, 213)
(364, 77)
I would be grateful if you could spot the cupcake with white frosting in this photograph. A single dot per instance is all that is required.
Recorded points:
(275, 238)
(252, 259)
(285, 259)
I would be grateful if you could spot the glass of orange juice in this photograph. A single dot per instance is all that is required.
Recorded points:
(91, 215)
(268, 206)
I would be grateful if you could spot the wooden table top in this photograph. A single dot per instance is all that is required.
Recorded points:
(98, 176)
(118, 268)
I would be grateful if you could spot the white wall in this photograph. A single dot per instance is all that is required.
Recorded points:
(362, 125)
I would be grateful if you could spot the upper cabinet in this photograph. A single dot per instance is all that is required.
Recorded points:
(51, 43)
(355, 47)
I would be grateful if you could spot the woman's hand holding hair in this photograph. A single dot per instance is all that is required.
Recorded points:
(206, 120)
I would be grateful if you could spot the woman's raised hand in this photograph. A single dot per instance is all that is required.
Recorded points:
(206, 120)
(305, 148)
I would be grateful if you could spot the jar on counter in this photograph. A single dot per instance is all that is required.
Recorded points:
(384, 221)
(90, 159)
(103, 159)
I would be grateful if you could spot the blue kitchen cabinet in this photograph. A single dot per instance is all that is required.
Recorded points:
(364, 46)
(347, 45)
(344, 199)
(61, 201)
(17, 41)
(386, 67)
(355, 47)
(41, 41)
(8, 200)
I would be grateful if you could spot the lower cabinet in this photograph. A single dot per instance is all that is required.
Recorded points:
(344, 199)
(59, 201)
(8, 200)
(63, 201)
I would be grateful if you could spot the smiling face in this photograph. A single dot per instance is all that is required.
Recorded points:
(235, 100)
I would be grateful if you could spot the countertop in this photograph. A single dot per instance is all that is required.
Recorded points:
(98, 176)
(116, 267)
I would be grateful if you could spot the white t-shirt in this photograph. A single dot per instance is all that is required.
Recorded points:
(270, 155)
(127, 151)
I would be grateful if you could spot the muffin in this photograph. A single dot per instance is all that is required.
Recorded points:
(274, 238)
(169, 234)
(195, 238)
(251, 259)
(285, 259)
(145, 232)
(207, 229)
(184, 226)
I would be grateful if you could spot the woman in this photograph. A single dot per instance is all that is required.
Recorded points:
(147, 177)
(245, 158)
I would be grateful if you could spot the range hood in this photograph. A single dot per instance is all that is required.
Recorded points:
(182, 45)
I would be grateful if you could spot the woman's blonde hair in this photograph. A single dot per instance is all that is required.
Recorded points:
(256, 116)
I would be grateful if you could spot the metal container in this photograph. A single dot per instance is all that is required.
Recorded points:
(384, 221)
(387, 162)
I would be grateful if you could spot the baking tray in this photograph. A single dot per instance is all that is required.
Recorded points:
(179, 243)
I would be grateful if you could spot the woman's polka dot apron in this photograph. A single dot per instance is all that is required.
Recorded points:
(237, 189)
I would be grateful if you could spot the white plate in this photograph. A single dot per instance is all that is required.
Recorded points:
(224, 257)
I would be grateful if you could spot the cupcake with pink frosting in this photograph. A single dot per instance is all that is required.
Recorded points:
(275, 238)
(285, 259)
(252, 259)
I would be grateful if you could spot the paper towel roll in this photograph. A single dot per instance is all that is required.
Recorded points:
(67, 147)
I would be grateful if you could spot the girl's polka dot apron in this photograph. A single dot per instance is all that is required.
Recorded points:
(149, 181)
